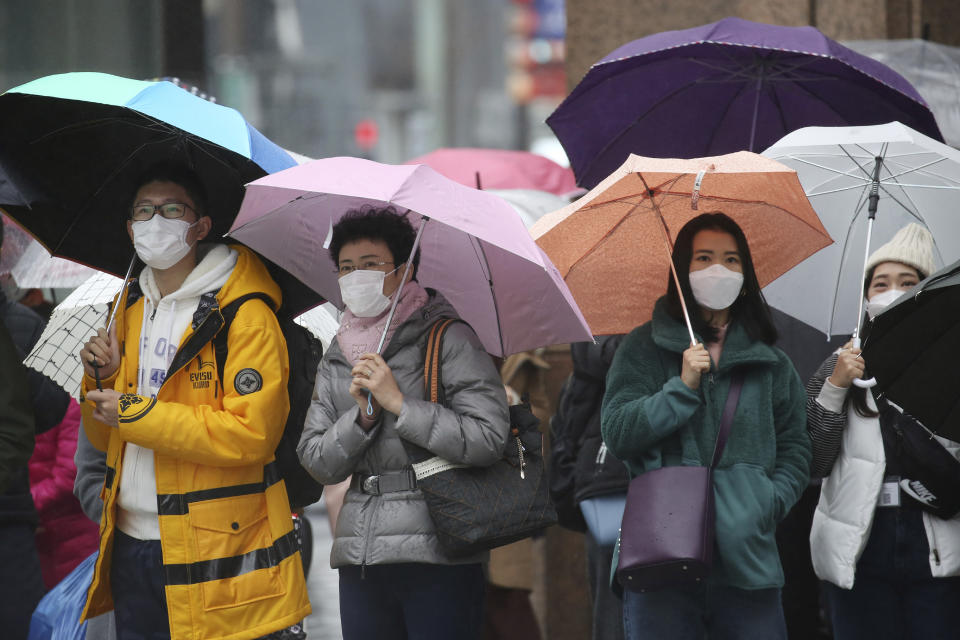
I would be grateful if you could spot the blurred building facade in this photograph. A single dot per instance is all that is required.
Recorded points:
(386, 80)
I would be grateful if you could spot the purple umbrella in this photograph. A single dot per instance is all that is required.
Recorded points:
(728, 86)
(475, 248)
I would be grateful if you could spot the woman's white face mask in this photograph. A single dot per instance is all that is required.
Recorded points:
(362, 292)
(161, 242)
(716, 287)
(881, 301)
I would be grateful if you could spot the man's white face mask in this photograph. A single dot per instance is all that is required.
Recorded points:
(161, 242)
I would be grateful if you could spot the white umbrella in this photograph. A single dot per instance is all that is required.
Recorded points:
(71, 324)
(918, 181)
(531, 204)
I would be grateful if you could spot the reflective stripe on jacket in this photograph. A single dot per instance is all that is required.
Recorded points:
(232, 566)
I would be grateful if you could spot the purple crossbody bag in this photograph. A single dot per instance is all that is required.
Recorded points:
(666, 537)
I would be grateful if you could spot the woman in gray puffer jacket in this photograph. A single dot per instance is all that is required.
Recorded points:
(395, 580)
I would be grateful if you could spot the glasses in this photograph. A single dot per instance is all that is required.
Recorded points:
(369, 265)
(169, 210)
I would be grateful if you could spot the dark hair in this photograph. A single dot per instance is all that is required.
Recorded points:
(750, 308)
(177, 174)
(376, 223)
(858, 395)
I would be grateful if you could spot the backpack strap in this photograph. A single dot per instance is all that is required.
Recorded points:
(229, 312)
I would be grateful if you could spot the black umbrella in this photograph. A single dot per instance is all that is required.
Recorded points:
(911, 349)
(72, 146)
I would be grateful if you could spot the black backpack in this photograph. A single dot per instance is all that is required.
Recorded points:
(304, 351)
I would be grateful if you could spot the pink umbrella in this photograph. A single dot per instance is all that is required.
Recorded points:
(474, 246)
(500, 169)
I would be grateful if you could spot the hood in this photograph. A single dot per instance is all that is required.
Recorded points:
(250, 275)
(738, 348)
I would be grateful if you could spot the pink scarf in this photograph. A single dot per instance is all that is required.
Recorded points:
(357, 336)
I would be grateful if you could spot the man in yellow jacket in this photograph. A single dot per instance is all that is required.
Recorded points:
(196, 538)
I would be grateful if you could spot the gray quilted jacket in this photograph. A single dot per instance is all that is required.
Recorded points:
(471, 428)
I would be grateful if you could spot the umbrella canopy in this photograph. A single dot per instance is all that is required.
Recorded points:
(72, 145)
(474, 248)
(530, 203)
(908, 350)
(499, 169)
(724, 87)
(919, 181)
(73, 321)
(610, 245)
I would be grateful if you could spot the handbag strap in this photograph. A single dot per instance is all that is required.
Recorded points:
(432, 381)
(733, 397)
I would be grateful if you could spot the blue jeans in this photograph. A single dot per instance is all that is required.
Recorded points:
(411, 601)
(704, 611)
(894, 596)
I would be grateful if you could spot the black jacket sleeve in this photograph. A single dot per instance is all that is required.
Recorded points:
(16, 415)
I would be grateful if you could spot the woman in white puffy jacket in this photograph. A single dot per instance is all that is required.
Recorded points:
(890, 567)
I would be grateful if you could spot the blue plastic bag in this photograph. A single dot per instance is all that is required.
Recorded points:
(57, 617)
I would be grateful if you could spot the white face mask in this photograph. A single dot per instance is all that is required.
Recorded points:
(362, 292)
(161, 242)
(881, 301)
(716, 287)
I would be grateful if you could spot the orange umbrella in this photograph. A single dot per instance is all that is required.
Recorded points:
(612, 246)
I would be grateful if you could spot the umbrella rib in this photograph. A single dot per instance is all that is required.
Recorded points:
(85, 207)
(92, 124)
(866, 173)
(636, 121)
(843, 255)
(485, 264)
(606, 235)
(921, 170)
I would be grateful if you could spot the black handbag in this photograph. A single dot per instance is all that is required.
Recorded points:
(478, 508)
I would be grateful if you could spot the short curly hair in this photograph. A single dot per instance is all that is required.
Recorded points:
(385, 224)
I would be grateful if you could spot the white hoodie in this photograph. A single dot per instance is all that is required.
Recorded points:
(165, 321)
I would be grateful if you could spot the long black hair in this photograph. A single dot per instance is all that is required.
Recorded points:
(750, 308)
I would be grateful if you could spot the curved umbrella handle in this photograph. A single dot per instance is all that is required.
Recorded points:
(860, 382)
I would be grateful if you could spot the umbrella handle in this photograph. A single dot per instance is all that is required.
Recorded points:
(860, 382)
(369, 404)
(96, 373)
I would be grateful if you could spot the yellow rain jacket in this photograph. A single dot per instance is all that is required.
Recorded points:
(231, 562)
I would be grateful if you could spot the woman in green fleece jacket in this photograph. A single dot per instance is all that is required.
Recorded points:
(662, 408)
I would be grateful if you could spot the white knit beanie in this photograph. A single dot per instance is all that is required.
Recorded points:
(912, 245)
